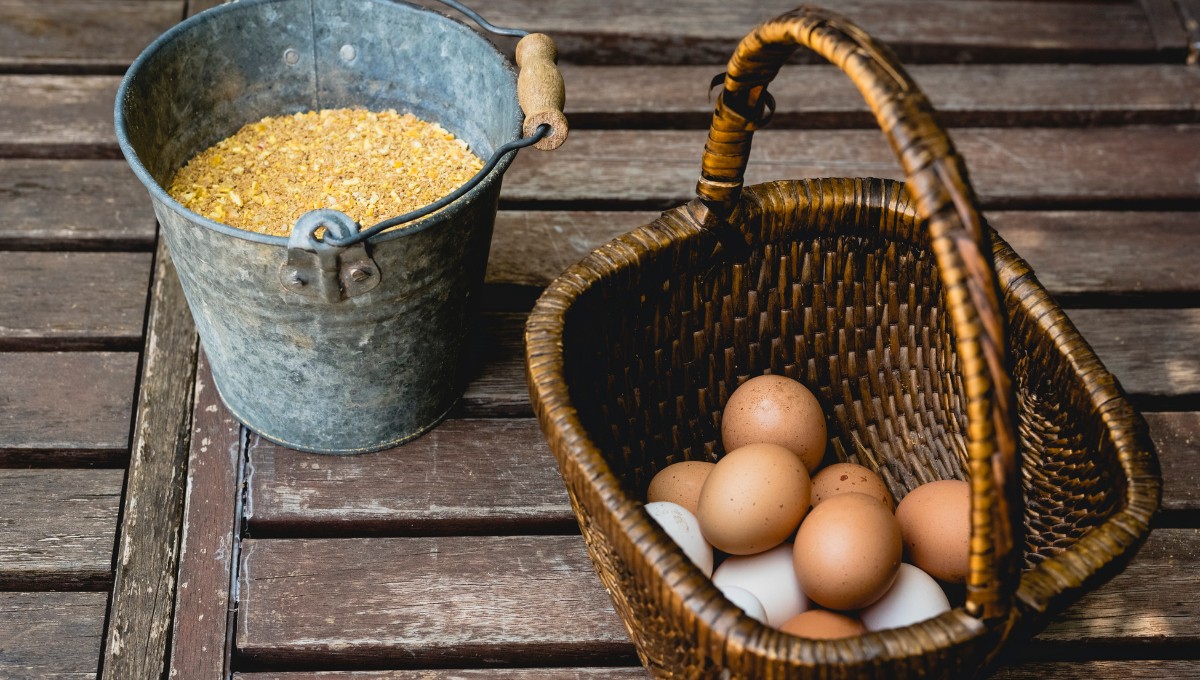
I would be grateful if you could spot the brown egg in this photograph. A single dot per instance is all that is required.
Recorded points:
(848, 478)
(819, 624)
(680, 483)
(753, 499)
(847, 552)
(935, 519)
(777, 410)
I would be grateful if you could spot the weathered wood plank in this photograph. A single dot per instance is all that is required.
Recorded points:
(1101, 670)
(1166, 24)
(57, 528)
(72, 300)
(463, 477)
(1010, 167)
(597, 673)
(63, 205)
(1176, 436)
(1061, 670)
(1073, 252)
(1080, 253)
(71, 116)
(443, 600)
(1155, 353)
(929, 30)
(514, 483)
(64, 407)
(1152, 602)
(196, 6)
(58, 116)
(50, 635)
(823, 97)
(207, 547)
(139, 625)
(79, 36)
(425, 601)
(497, 388)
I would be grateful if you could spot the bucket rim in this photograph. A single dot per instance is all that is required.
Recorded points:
(160, 195)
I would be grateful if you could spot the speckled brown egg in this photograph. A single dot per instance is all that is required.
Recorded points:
(847, 552)
(777, 410)
(935, 519)
(680, 483)
(819, 624)
(849, 478)
(753, 499)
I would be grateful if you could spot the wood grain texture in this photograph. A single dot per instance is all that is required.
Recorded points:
(367, 602)
(706, 31)
(1101, 670)
(1177, 438)
(1155, 353)
(50, 635)
(1166, 24)
(71, 116)
(821, 97)
(57, 528)
(463, 477)
(1152, 602)
(207, 551)
(73, 204)
(194, 7)
(139, 625)
(425, 601)
(1062, 670)
(72, 300)
(1092, 253)
(597, 673)
(58, 116)
(1151, 166)
(477, 476)
(78, 36)
(497, 386)
(65, 406)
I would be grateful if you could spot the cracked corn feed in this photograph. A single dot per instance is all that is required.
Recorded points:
(369, 165)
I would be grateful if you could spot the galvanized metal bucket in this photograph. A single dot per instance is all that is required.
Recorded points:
(327, 344)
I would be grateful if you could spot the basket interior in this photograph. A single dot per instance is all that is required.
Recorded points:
(842, 293)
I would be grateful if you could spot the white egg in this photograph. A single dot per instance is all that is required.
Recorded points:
(770, 577)
(915, 596)
(746, 601)
(681, 525)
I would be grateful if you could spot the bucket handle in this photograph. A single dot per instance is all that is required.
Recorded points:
(942, 194)
(541, 94)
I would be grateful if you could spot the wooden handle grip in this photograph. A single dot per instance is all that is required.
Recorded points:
(540, 89)
(942, 194)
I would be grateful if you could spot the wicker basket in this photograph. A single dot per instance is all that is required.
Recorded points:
(885, 299)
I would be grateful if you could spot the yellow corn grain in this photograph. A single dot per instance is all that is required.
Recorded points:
(346, 158)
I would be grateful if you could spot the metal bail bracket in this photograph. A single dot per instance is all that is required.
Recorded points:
(318, 269)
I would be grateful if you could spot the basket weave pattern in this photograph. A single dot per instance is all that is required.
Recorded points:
(870, 298)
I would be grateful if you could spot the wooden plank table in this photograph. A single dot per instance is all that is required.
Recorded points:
(143, 532)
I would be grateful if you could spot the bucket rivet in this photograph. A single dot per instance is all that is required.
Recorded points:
(360, 274)
(291, 56)
(348, 53)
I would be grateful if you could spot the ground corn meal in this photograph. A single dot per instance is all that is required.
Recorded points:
(369, 165)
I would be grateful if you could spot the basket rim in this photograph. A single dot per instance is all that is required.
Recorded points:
(1040, 588)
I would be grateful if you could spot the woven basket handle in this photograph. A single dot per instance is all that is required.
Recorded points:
(937, 181)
